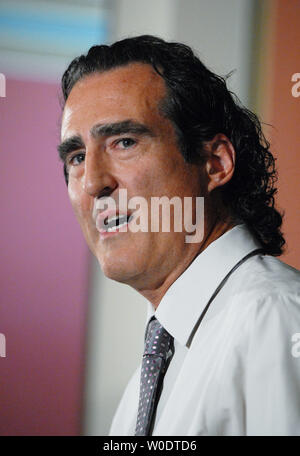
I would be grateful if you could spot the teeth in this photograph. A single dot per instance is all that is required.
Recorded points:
(116, 227)
(114, 223)
(112, 219)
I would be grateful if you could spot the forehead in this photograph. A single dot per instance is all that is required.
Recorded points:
(130, 92)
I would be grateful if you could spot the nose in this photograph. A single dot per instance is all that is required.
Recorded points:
(98, 178)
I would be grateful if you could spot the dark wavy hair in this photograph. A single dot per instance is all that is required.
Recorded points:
(200, 106)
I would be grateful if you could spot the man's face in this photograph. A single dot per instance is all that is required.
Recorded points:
(117, 139)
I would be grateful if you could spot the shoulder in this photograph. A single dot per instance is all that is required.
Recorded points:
(268, 294)
(272, 364)
(264, 297)
(265, 280)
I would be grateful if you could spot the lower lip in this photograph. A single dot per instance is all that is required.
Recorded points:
(106, 234)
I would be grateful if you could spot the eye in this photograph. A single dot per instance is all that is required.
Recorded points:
(125, 143)
(75, 160)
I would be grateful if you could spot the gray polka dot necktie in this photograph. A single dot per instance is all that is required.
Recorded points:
(158, 344)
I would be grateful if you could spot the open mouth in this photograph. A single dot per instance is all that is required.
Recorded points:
(115, 223)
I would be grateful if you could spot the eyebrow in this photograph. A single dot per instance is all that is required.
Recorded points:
(119, 128)
(100, 130)
(69, 145)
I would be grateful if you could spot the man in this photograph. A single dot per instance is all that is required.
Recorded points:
(146, 116)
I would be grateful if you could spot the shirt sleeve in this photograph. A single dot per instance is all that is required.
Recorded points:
(272, 391)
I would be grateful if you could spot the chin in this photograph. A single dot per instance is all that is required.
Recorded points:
(118, 269)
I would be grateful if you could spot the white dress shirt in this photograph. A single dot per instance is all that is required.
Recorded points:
(238, 371)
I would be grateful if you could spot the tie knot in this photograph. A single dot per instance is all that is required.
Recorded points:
(158, 340)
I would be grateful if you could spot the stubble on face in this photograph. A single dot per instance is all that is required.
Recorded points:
(153, 167)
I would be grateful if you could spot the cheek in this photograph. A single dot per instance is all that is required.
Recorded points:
(80, 201)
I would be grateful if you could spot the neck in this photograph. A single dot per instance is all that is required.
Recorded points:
(217, 229)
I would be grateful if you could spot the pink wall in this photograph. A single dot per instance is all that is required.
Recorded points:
(44, 271)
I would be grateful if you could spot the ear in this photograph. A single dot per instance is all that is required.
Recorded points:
(220, 161)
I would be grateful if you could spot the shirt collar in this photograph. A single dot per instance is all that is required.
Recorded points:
(185, 300)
